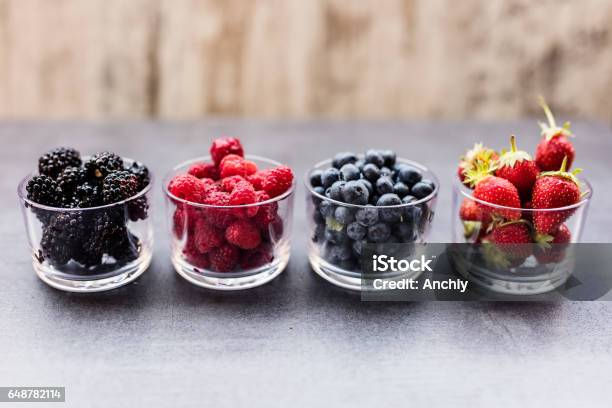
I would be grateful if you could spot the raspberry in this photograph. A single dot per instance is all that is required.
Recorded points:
(277, 180)
(179, 222)
(223, 146)
(243, 193)
(227, 184)
(195, 258)
(188, 187)
(233, 165)
(224, 258)
(219, 217)
(244, 234)
(217, 198)
(256, 180)
(257, 257)
(267, 212)
(207, 237)
(204, 170)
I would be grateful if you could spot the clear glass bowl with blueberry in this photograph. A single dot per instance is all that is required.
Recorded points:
(374, 198)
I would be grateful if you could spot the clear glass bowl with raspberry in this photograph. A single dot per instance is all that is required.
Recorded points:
(228, 235)
(92, 249)
(500, 249)
(339, 230)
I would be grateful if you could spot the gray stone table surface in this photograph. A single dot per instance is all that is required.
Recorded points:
(296, 341)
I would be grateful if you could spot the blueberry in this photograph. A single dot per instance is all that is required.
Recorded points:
(379, 232)
(350, 172)
(318, 217)
(388, 199)
(374, 157)
(355, 192)
(384, 185)
(386, 172)
(360, 163)
(315, 178)
(319, 190)
(431, 183)
(319, 233)
(374, 199)
(371, 172)
(367, 216)
(337, 237)
(335, 191)
(409, 175)
(358, 247)
(401, 189)
(337, 253)
(389, 157)
(356, 231)
(404, 231)
(327, 208)
(421, 190)
(344, 215)
(368, 185)
(329, 177)
(343, 158)
(409, 199)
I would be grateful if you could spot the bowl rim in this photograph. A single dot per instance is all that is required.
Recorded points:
(185, 164)
(21, 192)
(403, 160)
(465, 192)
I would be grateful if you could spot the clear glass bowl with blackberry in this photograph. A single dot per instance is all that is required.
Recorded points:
(229, 232)
(88, 219)
(354, 200)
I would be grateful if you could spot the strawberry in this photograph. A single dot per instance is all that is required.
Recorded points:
(554, 189)
(551, 248)
(494, 190)
(512, 243)
(517, 167)
(475, 223)
(478, 154)
(555, 145)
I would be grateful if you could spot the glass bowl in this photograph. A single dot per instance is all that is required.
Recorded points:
(515, 269)
(336, 257)
(89, 249)
(203, 263)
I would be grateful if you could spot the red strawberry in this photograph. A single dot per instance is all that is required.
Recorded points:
(478, 154)
(554, 189)
(517, 167)
(494, 190)
(475, 223)
(555, 145)
(224, 258)
(513, 243)
(551, 248)
(204, 170)
(223, 146)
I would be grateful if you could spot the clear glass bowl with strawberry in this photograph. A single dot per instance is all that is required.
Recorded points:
(229, 217)
(515, 217)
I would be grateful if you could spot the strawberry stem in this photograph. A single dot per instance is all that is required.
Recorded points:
(512, 143)
(563, 165)
(547, 112)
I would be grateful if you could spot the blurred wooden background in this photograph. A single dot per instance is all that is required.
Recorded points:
(304, 58)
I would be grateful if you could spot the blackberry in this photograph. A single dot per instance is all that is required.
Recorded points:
(119, 186)
(53, 162)
(126, 249)
(88, 194)
(102, 164)
(70, 178)
(44, 190)
(138, 209)
(142, 174)
(63, 238)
